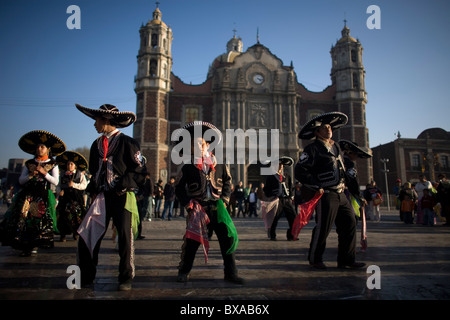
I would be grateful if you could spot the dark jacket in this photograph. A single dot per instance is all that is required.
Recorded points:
(351, 179)
(128, 169)
(371, 191)
(320, 168)
(274, 186)
(169, 192)
(192, 183)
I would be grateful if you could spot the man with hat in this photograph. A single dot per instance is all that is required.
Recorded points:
(320, 166)
(203, 187)
(353, 152)
(118, 169)
(279, 186)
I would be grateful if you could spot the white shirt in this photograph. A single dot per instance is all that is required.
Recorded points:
(52, 176)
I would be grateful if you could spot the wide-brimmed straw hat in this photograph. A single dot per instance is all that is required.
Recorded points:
(353, 146)
(119, 119)
(31, 140)
(212, 136)
(73, 156)
(335, 119)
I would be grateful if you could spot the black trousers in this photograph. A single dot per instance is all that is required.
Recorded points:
(285, 206)
(115, 209)
(190, 247)
(334, 208)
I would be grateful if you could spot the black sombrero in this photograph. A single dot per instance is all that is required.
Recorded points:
(353, 146)
(30, 141)
(119, 119)
(73, 156)
(212, 133)
(335, 119)
(286, 161)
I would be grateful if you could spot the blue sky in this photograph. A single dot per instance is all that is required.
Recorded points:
(47, 68)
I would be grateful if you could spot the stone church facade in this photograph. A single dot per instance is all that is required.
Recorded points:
(247, 90)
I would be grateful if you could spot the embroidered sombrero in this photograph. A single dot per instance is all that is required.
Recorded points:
(335, 119)
(119, 119)
(210, 136)
(73, 156)
(353, 146)
(30, 141)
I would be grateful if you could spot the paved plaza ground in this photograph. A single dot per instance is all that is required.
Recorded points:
(413, 261)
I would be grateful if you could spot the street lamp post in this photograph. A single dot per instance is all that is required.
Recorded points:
(384, 161)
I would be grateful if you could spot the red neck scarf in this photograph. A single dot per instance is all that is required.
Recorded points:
(208, 160)
(105, 147)
(105, 144)
(43, 158)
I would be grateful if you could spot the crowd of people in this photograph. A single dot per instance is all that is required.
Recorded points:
(423, 202)
(61, 193)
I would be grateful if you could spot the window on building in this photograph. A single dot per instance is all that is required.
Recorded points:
(165, 71)
(355, 80)
(415, 160)
(354, 56)
(154, 40)
(443, 159)
(314, 113)
(191, 114)
(153, 67)
(144, 41)
(18, 168)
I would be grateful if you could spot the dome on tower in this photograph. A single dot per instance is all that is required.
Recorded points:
(235, 44)
(346, 36)
(234, 49)
(157, 18)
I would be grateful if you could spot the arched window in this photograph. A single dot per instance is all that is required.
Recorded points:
(354, 56)
(154, 40)
(165, 74)
(144, 40)
(191, 114)
(153, 67)
(355, 80)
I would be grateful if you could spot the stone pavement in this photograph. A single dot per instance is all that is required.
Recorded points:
(414, 262)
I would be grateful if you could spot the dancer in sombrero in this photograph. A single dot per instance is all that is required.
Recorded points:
(71, 209)
(278, 190)
(320, 168)
(31, 219)
(203, 187)
(118, 170)
(352, 152)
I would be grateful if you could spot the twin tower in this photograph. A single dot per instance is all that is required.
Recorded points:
(249, 89)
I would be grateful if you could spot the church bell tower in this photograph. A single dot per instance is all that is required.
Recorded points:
(347, 74)
(152, 86)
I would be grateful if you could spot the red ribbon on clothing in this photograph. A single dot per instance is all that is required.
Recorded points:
(207, 160)
(105, 147)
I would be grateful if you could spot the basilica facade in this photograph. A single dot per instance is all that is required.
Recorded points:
(244, 91)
